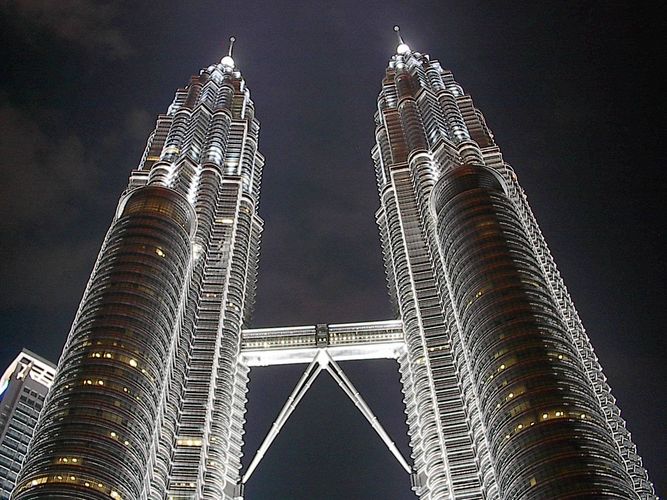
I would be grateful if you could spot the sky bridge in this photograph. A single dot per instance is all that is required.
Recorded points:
(342, 342)
(322, 346)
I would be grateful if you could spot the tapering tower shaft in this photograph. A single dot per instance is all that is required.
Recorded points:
(94, 437)
(449, 449)
(494, 344)
(211, 145)
(547, 433)
(149, 397)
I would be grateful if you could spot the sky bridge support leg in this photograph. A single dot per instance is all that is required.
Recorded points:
(339, 376)
(322, 361)
(306, 380)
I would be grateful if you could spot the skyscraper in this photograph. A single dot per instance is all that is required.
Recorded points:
(504, 396)
(23, 388)
(147, 395)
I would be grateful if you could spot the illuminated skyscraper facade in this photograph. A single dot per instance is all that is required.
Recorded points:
(504, 396)
(149, 397)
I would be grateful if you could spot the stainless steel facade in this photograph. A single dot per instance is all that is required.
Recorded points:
(149, 397)
(504, 395)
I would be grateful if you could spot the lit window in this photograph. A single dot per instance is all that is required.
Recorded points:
(189, 442)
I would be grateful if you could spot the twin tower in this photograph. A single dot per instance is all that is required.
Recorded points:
(503, 394)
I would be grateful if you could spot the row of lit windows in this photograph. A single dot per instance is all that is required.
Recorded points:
(305, 342)
(72, 479)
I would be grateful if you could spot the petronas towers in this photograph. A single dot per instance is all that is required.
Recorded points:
(504, 396)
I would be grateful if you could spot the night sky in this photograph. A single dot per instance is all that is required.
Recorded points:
(570, 89)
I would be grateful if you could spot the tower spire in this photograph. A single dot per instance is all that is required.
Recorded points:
(402, 48)
(227, 61)
(397, 29)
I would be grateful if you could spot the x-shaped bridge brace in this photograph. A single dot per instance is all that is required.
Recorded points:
(358, 339)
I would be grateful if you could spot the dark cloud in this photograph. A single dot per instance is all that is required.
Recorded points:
(87, 23)
(53, 180)
(45, 171)
(39, 272)
(47, 182)
(137, 123)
